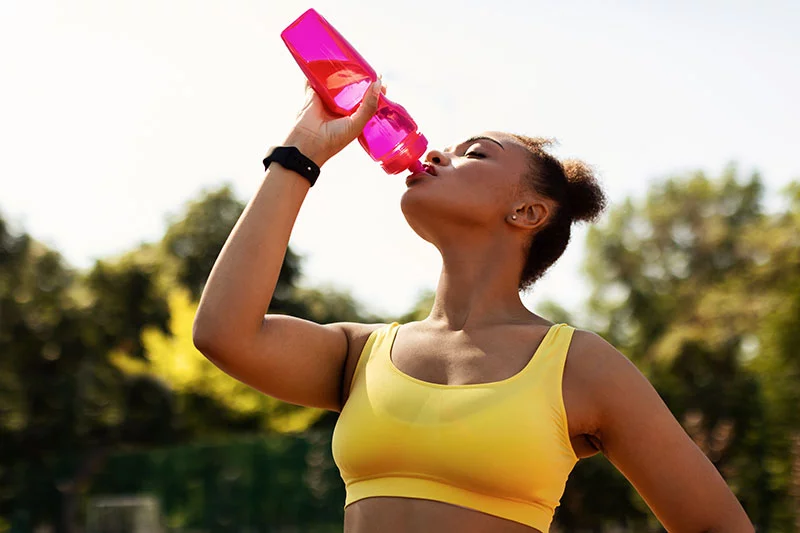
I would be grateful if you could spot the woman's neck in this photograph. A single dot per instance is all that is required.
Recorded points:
(478, 286)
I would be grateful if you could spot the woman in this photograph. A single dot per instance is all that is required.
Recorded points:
(472, 419)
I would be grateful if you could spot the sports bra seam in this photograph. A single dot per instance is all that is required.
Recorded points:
(562, 406)
(443, 482)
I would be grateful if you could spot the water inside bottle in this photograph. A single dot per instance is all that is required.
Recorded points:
(346, 82)
(387, 128)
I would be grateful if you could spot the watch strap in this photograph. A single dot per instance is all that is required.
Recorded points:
(291, 158)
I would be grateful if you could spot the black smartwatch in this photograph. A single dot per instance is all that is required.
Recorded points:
(290, 158)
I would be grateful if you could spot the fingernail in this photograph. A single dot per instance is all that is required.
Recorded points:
(376, 87)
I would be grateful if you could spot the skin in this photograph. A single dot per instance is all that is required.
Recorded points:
(467, 212)
(478, 215)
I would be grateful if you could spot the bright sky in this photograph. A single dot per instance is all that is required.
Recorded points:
(114, 113)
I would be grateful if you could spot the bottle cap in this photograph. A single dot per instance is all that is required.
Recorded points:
(416, 167)
(406, 154)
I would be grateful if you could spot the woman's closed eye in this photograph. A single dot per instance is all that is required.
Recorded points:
(474, 153)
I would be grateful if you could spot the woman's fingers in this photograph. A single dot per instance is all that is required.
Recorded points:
(368, 106)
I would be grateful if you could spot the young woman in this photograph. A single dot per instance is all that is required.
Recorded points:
(472, 419)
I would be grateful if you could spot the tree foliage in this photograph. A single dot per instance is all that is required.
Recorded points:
(100, 361)
(699, 286)
(698, 283)
(63, 406)
(195, 237)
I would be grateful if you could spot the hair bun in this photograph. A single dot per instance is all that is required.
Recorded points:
(586, 198)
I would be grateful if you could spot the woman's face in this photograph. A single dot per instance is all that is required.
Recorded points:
(475, 183)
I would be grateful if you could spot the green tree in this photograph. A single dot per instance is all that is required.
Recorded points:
(421, 309)
(328, 304)
(195, 237)
(63, 406)
(99, 362)
(696, 284)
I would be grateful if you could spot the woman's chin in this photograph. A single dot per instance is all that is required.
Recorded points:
(419, 229)
(415, 203)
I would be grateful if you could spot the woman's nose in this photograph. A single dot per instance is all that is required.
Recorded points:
(437, 158)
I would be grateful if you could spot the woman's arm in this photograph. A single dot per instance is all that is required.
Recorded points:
(291, 359)
(642, 438)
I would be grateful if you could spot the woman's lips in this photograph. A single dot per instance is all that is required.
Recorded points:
(415, 177)
(429, 170)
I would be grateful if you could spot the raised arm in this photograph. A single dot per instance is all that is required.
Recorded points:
(644, 441)
(289, 358)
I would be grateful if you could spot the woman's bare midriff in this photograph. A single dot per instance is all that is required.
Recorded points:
(405, 515)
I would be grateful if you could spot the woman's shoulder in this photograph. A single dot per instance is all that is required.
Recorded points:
(592, 359)
(595, 352)
(604, 375)
(359, 332)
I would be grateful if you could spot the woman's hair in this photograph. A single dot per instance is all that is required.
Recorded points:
(578, 197)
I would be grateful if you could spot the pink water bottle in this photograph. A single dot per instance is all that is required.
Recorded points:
(341, 77)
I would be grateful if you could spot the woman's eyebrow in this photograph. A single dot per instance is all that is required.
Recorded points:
(476, 138)
(479, 137)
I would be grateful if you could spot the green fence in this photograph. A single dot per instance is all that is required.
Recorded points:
(260, 484)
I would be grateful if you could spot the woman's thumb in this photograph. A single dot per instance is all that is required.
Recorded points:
(368, 106)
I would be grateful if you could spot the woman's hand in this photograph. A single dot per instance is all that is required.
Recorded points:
(320, 135)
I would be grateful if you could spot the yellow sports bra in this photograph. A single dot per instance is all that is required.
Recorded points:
(502, 447)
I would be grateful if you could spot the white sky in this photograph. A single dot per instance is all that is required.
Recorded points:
(115, 113)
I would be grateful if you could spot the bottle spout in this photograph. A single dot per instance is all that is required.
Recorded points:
(416, 167)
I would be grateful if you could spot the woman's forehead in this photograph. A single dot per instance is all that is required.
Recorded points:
(499, 138)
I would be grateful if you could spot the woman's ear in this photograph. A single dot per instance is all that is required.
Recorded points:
(530, 216)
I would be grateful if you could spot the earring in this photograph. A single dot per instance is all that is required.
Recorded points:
(514, 217)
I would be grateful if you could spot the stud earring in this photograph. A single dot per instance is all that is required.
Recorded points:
(514, 217)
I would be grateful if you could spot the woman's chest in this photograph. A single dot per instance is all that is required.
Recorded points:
(424, 367)
(492, 437)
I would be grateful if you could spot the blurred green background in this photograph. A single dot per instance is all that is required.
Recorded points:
(102, 393)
